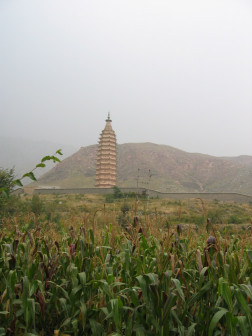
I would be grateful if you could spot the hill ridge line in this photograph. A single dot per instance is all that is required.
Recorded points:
(161, 167)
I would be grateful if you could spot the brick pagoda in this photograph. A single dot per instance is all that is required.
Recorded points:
(106, 158)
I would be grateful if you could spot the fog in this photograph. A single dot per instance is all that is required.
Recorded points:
(170, 72)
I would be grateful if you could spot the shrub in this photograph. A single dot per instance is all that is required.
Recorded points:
(117, 192)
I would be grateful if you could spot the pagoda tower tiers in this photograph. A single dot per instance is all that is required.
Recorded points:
(106, 157)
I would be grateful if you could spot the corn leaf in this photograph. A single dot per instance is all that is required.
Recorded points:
(215, 320)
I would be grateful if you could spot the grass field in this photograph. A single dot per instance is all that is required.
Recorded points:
(89, 265)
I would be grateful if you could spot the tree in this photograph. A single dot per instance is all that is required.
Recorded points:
(6, 181)
(6, 185)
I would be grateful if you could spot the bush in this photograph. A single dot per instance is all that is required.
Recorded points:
(117, 192)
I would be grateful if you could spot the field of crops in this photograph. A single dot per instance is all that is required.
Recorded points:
(122, 270)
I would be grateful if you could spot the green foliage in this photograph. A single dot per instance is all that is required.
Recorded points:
(236, 219)
(8, 183)
(125, 283)
(216, 215)
(6, 180)
(125, 208)
(117, 192)
(124, 218)
(36, 205)
(109, 198)
(41, 164)
(119, 286)
(6, 186)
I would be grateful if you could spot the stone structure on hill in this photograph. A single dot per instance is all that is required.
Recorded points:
(106, 158)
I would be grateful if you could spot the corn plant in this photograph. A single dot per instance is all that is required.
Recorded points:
(125, 283)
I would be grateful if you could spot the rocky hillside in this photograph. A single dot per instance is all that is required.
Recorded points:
(158, 167)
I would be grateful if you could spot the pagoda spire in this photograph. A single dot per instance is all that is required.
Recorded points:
(108, 118)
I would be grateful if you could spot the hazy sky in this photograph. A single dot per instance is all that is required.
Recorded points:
(175, 72)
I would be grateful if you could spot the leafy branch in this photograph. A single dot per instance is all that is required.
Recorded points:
(54, 158)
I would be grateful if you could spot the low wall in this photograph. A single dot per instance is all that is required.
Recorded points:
(58, 191)
(231, 197)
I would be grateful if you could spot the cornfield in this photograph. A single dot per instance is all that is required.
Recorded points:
(125, 281)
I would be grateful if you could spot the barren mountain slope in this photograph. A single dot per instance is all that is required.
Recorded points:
(160, 167)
